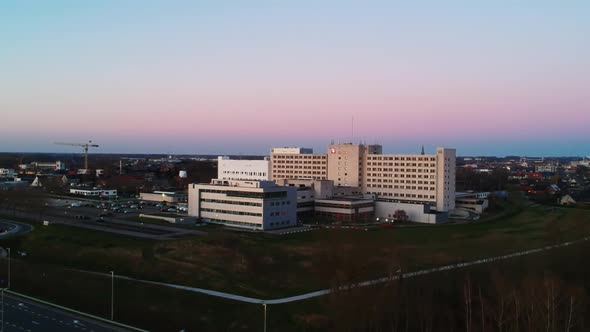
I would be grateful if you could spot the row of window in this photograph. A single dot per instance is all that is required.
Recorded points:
(298, 172)
(379, 180)
(400, 187)
(306, 162)
(247, 194)
(277, 213)
(348, 207)
(244, 173)
(299, 156)
(402, 164)
(297, 166)
(375, 176)
(222, 201)
(403, 195)
(307, 176)
(240, 213)
(401, 158)
(279, 223)
(400, 170)
(402, 181)
(232, 222)
(280, 203)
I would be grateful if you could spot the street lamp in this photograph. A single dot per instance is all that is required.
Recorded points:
(8, 268)
(2, 326)
(112, 294)
(264, 305)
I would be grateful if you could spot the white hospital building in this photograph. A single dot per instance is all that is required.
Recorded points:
(259, 205)
(350, 182)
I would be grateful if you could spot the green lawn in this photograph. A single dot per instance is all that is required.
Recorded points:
(272, 266)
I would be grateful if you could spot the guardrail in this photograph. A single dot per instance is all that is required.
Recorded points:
(79, 313)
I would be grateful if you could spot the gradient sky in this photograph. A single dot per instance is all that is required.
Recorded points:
(231, 77)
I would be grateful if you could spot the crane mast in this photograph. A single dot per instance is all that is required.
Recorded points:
(85, 146)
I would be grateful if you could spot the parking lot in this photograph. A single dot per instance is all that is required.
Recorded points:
(119, 217)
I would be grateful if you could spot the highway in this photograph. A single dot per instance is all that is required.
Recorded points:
(21, 314)
(13, 228)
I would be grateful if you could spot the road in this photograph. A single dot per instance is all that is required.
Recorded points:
(13, 228)
(21, 314)
(65, 216)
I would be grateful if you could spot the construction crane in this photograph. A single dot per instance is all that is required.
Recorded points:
(85, 146)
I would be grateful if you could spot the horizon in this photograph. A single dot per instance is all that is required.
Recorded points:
(266, 155)
(207, 78)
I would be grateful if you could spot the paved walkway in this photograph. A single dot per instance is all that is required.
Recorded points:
(360, 284)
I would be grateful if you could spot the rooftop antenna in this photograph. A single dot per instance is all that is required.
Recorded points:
(352, 130)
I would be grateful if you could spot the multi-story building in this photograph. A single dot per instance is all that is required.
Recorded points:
(297, 163)
(346, 163)
(238, 169)
(37, 165)
(422, 185)
(260, 205)
(413, 178)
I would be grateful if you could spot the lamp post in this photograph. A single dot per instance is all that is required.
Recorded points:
(264, 305)
(112, 294)
(8, 268)
(2, 326)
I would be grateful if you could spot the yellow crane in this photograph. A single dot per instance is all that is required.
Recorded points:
(85, 146)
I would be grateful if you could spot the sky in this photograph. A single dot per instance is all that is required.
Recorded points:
(239, 77)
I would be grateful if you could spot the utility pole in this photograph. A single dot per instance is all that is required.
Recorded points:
(8, 268)
(112, 295)
(264, 305)
(2, 326)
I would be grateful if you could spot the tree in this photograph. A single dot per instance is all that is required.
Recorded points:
(400, 215)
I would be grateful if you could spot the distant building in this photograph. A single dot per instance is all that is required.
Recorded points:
(566, 200)
(164, 196)
(37, 165)
(7, 173)
(584, 162)
(94, 192)
(49, 180)
(237, 169)
(472, 201)
(259, 205)
(546, 168)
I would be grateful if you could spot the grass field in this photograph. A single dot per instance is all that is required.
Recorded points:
(268, 266)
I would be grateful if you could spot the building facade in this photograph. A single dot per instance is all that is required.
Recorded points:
(426, 181)
(259, 205)
(297, 163)
(346, 163)
(236, 169)
(94, 192)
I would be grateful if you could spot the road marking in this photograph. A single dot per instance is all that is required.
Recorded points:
(36, 323)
